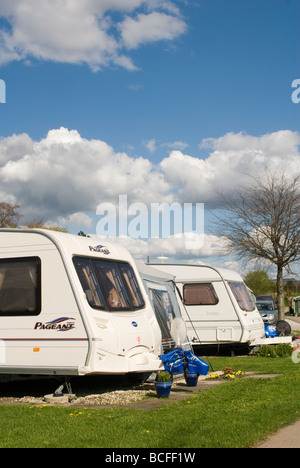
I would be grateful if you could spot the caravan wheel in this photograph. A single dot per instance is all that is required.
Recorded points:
(283, 328)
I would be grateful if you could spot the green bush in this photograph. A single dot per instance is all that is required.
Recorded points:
(275, 351)
(164, 377)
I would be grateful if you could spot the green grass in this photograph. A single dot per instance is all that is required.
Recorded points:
(235, 414)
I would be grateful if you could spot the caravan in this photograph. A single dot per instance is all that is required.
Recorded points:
(70, 307)
(218, 308)
(161, 289)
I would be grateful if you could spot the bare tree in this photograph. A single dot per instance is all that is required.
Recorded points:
(263, 221)
(9, 216)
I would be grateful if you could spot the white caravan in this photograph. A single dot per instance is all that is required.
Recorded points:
(218, 306)
(161, 289)
(69, 306)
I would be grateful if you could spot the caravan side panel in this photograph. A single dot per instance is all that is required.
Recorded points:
(48, 337)
(214, 321)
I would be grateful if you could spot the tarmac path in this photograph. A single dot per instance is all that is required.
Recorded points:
(288, 437)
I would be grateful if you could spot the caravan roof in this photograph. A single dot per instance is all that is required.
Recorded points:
(68, 243)
(154, 273)
(198, 272)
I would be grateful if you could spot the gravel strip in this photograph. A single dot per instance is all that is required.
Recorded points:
(110, 398)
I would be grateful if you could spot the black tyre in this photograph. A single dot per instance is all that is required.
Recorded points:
(283, 328)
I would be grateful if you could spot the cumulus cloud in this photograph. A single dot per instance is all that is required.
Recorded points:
(65, 174)
(172, 247)
(85, 31)
(152, 27)
(232, 159)
(64, 177)
(77, 220)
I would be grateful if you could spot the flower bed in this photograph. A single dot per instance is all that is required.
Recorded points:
(227, 374)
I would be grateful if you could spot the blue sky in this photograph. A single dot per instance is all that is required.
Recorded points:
(184, 90)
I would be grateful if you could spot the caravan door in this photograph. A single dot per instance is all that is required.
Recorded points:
(161, 290)
(164, 311)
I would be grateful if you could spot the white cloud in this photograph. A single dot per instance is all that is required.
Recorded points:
(65, 174)
(152, 27)
(172, 247)
(271, 144)
(233, 158)
(151, 145)
(85, 31)
(77, 220)
(176, 145)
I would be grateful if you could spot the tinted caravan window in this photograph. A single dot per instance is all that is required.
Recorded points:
(242, 296)
(163, 308)
(199, 294)
(90, 283)
(109, 285)
(20, 287)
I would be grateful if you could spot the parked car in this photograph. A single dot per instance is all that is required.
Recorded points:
(267, 311)
(266, 297)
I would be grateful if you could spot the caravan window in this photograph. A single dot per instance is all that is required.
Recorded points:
(242, 296)
(163, 308)
(109, 285)
(131, 285)
(89, 282)
(199, 294)
(20, 287)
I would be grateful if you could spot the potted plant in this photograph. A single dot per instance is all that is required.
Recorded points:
(163, 384)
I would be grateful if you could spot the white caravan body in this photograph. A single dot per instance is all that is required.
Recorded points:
(71, 307)
(218, 306)
(161, 289)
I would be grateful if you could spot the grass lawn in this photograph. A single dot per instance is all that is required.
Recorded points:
(236, 414)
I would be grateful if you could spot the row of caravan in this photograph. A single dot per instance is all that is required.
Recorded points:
(71, 307)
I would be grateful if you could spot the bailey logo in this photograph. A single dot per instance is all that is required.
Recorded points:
(100, 249)
(62, 324)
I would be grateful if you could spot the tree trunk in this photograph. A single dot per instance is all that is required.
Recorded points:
(280, 293)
